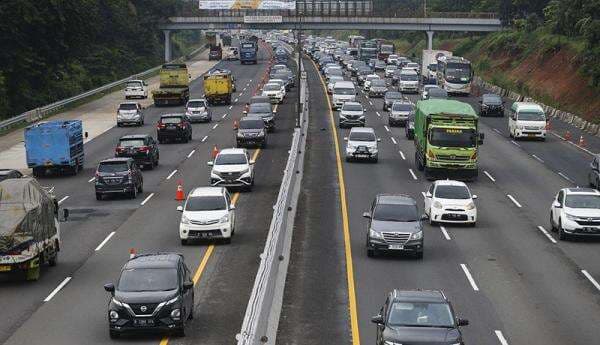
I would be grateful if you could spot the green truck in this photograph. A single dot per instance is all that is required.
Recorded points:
(174, 85)
(447, 139)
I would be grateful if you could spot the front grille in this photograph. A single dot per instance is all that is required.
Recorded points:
(453, 158)
(589, 222)
(532, 128)
(352, 117)
(459, 217)
(230, 175)
(396, 237)
(209, 222)
(148, 308)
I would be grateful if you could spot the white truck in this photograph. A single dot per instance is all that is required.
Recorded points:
(429, 64)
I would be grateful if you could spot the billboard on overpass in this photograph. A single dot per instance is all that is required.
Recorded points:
(247, 4)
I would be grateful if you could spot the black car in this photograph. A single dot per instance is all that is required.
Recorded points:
(118, 176)
(251, 131)
(409, 128)
(389, 98)
(491, 104)
(174, 127)
(141, 147)
(264, 112)
(5, 174)
(155, 292)
(418, 317)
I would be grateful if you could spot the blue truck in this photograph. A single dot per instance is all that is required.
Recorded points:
(54, 146)
(248, 50)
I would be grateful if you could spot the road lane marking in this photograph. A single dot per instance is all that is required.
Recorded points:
(224, 116)
(248, 84)
(469, 277)
(92, 179)
(497, 131)
(205, 137)
(215, 126)
(514, 142)
(231, 106)
(58, 288)
(63, 199)
(147, 198)
(386, 128)
(378, 114)
(241, 94)
(514, 200)
(591, 279)
(105, 240)
(541, 228)
(171, 174)
(537, 158)
(244, 89)
(402, 155)
(371, 103)
(413, 174)
(235, 100)
(394, 140)
(565, 177)
(446, 235)
(501, 337)
(489, 176)
(191, 153)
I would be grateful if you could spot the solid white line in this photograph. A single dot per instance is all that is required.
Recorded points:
(60, 286)
(537, 158)
(394, 140)
(191, 153)
(386, 128)
(402, 155)
(413, 174)
(231, 106)
(541, 228)
(489, 176)
(496, 130)
(215, 126)
(63, 199)
(566, 177)
(501, 337)
(514, 200)
(105, 240)
(446, 235)
(378, 114)
(591, 279)
(171, 174)
(147, 198)
(514, 142)
(91, 180)
(235, 100)
(469, 277)
(224, 116)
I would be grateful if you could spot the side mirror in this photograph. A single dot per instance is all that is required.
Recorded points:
(378, 319)
(188, 285)
(378, 139)
(474, 196)
(428, 195)
(110, 287)
(252, 162)
(424, 217)
(462, 322)
(210, 164)
(367, 215)
(345, 138)
(180, 208)
(556, 204)
(231, 207)
(480, 140)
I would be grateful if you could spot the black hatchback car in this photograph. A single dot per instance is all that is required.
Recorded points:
(251, 131)
(155, 292)
(141, 147)
(174, 127)
(491, 104)
(118, 176)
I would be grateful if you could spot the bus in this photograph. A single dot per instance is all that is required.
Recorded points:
(455, 74)
(355, 41)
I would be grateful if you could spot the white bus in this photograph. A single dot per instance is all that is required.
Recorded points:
(455, 74)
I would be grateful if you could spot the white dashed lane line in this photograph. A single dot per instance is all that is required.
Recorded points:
(566, 177)
(147, 198)
(105, 240)
(413, 174)
(92, 180)
(231, 106)
(205, 137)
(445, 233)
(235, 100)
(402, 155)
(378, 114)
(537, 158)
(547, 234)
(469, 277)
(591, 279)
(58, 288)
(394, 140)
(489, 176)
(241, 94)
(501, 337)
(497, 131)
(224, 116)
(215, 126)
(515, 143)
(386, 128)
(63, 200)
(514, 200)
(191, 153)
(171, 174)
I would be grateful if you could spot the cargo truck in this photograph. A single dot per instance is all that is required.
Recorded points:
(447, 139)
(248, 51)
(54, 146)
(174, 85)
(218, 87)
(385, 50)
(29, 227)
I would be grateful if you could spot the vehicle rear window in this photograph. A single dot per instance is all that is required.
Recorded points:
(395, 213)
(352, 107)
(260, 108)
(252, 124)
(402, 107)
(230, 159)
(196, 104)
(111, 167)
(131, 142)
(148, 279)
(134, 84)
(272, 87)
(452, 192)
(259, 99)
(170, 120)
(127, 106)
(206, 203)
(378, 83)
(362, 136)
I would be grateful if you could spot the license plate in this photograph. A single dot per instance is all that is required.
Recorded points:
(4, 268)
(396, 247)
(531, 135)
(362, 156)
(144, 322)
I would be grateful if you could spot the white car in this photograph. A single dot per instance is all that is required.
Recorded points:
(575, 212)
(409, 81)
(136, 89)
(207, 214)
(448, 201)
(198, 110)
(352, 114)
(232, 168)
(332, 80)
(526, 120)
(426, 88)
(275, 92)
(392, 59)
(368, 79)
(362, 144)
(130, 112)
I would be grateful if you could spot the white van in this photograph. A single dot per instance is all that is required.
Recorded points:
(526, 120)
(409, 81)
(343, 91)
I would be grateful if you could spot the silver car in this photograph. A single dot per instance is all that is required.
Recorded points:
(198, 110)
(400, 112)
(130, 113)
(352, 114)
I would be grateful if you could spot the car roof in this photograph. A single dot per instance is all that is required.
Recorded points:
(352, 103)
(116, 159)
(450, 183)
(431, 86)
(344, 83)
(134, 136)
(172, 115)
(408, 71)
(434, 296)
(362, 130)
(232, 151)
(395, 199)
(527, 106)
(157, 260)
(581, 191)
(207, 191)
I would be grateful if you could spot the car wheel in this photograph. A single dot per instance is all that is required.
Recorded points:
(561, 233)
(53, 260)
(371, 252)
(552, 226)
(227, 240)
(134, 193)
(184, 242)
(180, 332)
(98, 196)
(141, 188)
(113, 334)
(419, 255)
(191, 316)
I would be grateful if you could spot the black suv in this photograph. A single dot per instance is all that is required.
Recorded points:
(118, 176)
(263, 111)
(251, 131)
(141, 147)
(154, 292)
(491, 104)
(174, 126)
(389, 98)
(418, 316)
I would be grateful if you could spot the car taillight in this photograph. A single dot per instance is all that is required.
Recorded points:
(144, 149)
(160, 125)
(118, 149)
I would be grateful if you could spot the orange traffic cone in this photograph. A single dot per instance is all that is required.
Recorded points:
(132, 253)
(235, 124)
(215, 152)
(568, 135)
(581, 141)
(179, 194)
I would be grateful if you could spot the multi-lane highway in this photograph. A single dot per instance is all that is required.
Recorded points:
(510, 276)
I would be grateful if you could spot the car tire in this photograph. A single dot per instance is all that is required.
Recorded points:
(134, 193)
(227, 240)
(99, 196)
(419, 255)
(184, 242)
(141, 188)
(53, 260)
(113, 334)
(552, 226)
(180, 332)
(561, 233)
(371, 252)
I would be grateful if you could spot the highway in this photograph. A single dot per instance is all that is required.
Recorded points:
(68, 305)
(510, 276)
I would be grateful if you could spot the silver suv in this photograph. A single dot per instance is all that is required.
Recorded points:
(352, 114)
(130, 112)
(400, 112)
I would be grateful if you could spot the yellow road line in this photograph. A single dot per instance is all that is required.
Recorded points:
(345, 226)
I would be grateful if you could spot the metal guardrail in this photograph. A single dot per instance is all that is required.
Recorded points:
(264, 306)
(41, 112)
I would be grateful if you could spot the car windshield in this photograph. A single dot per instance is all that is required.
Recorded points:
(335, 71)
(409, 77)
(131, 142)
(393, 95)
(196, 104)
(436, 92)
(531, 116)
(206, 203)
(260, 108)
(391, 67)
(452, 192)
(491, 99)
(453, 137)
(412, 65)
(335, 78)
(420, 314)
(112, 167)
(128, 106)
(343, 91)
(362, 136)
(395, 213)
(582, 201)
(378, 83)
(148, 279)
(402, 107)
(231, 159)
(352, 107)
(272, 87)
(170, 120)
(134, 84)
(252, 124)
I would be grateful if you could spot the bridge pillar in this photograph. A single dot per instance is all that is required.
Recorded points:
(430, 40)
(167, 45)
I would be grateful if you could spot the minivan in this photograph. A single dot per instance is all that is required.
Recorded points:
(343, 91)
(527, 120)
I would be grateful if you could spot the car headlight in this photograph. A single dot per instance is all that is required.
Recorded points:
(437, 204)
(417, 235)
(484, 106)
(375, 234)
(224, 219)
(176, 314)
(113, 315)
(172, 300)
(571, 217)
(184, 220)
(387, 342)
(240, 135)
(470, 206)
(361, 117)
(245, 172)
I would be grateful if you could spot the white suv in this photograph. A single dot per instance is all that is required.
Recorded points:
(136, 88)
(450, 201)
(576, 212)
(207, 214)
(362, 144)
(232, 168)
(274, 91)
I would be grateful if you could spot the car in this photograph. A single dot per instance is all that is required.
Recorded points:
(527, 120)
(198, 110)
(208, 213)
(379, 65)
(155, 292)
(414, 66)
(141, 147)
(233, 54)
(6, 174)
(333, 70)
(275, 92)
(409, 128)
(136, 89)
(394, 226)
(264, 112)
(284, 76)
(575, 212)
(378, 88)
(400, 112)
(491, 104)
(352, 114)
(418, 317)
(408, 81)
(437, 93)
(251, 131)
(389, 98)
(362, 73)
(449, 201)
(173, 127)
(426, 89)
(232, 168)
(367, 81)
(343, 91)
(594, 172)
(331, 83)
(361, 143)
(118, 176)
(279, 67)
(372, 62)
(130, 113)
(392, 59)
(389, 70)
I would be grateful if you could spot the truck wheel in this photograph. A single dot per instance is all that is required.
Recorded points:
(113, 334)
(38, 172)
(418, 163)
(33, 274)
(53, 260)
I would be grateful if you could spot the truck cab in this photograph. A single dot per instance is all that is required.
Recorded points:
(527, 120)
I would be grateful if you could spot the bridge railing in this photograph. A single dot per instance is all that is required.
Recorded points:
(348, 12)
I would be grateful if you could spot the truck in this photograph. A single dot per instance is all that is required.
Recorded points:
(174, 85)
(385, 50)
(368, 50)
(429, 64)
(29, 227)
(447, 139)
(218, 87)
(54, 146)
(248, 52)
